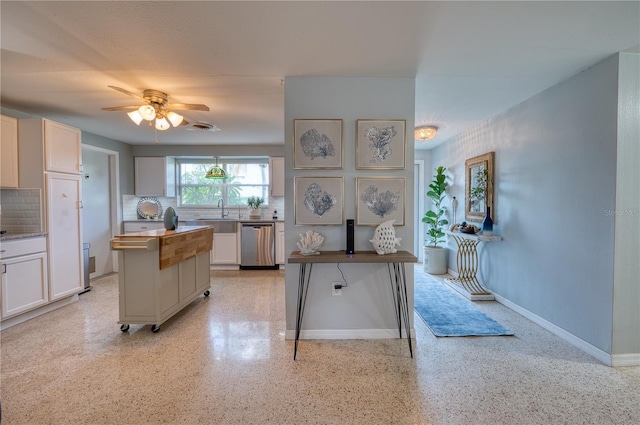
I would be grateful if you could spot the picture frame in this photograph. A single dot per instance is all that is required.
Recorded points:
(319, 201)
(381, 144)
(380, 199)
(317, 143)
(479, 187)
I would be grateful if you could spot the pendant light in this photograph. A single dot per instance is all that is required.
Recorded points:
(216, 172)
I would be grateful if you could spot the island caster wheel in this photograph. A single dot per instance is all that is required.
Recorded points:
(124, 328)
(206, 293)
(155, 328)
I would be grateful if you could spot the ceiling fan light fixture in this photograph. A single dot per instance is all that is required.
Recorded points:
(147, 112)
(135, 116)
(425, 132)
(162, 123)
(174, 119)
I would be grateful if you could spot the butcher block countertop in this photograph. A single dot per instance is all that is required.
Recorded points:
(174, 246)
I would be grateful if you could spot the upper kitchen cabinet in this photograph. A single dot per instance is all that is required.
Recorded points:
(276, 170)
(60, 144)
(155, 176)
(9, 152)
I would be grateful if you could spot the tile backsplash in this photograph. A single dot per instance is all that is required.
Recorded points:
(130, 209)
(20, 210)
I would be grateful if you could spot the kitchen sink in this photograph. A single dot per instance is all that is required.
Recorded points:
(220, 225)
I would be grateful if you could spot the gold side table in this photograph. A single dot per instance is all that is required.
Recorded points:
(467, 264)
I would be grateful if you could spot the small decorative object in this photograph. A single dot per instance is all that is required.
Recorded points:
(487, 224)
(384, 238)
(254, 203)
(149, 208)
(454, 207)
(310, 242)
(170, 219)
(275, 215)
(469, 229)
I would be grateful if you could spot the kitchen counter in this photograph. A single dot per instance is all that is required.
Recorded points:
(15, 236)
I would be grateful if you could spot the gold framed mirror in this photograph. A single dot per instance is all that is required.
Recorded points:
(479, 187)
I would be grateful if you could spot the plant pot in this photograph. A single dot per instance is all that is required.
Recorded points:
(435, 260)
(254, 213)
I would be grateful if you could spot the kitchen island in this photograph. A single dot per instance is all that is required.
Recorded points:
(161, 272)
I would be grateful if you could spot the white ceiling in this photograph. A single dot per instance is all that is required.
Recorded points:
(471, 60)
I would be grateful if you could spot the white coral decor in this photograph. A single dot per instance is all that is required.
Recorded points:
(384, 238)
(310, 242)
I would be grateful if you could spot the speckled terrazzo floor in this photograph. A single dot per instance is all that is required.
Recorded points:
(224, 360)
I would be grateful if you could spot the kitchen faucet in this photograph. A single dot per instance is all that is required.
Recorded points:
(221, 201)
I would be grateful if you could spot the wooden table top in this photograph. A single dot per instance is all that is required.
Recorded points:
(358, 257)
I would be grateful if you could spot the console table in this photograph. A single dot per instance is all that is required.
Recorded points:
(395, 263)
(467, 263)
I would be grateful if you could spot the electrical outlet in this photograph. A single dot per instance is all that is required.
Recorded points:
(336, 292)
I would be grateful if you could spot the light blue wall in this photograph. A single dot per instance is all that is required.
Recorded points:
(364, 307)
(626, 311)
(555, 179)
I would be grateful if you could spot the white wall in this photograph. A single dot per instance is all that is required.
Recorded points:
(555, 180)
(365, 308)
(626, 302)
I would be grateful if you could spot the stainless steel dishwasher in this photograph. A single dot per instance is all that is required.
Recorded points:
(258, 246)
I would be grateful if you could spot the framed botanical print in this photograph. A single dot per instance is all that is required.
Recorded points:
(317, 143)
(380, 144)
(380, 199)
(318, 200)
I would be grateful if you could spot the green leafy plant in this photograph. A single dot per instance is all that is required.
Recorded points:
(255, 201)
(434, 218)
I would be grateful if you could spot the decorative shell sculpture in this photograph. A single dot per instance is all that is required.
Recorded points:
(310, 242)
(384, 238)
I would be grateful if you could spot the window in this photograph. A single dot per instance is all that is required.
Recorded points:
(245, 178)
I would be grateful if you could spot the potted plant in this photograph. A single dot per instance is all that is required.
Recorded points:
(254, 203)
(435, 257)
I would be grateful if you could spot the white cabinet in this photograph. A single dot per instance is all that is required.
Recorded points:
(276, 172)
(23, 264)
(62, 148)
(225, 248)
(155, 176)
(64, 218)
(9, 152)
(280, 248)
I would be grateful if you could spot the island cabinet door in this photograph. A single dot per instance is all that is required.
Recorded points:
(187, 278)
(170, 287)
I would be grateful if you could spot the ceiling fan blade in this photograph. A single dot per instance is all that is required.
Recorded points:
(121, 108)
(184, 122)
(188, 106)
(129, 93)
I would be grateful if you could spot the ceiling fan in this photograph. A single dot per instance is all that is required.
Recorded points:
(156, 107)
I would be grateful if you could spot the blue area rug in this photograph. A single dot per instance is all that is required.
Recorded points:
(447, 313)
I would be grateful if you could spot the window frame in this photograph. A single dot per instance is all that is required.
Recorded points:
(224, 186)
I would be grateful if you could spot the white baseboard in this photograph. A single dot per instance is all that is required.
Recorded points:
(592, 350)
(622, 360)
(37, 312)
(347, 333)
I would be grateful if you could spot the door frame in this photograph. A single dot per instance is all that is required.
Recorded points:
(114, 194)
(419, 187)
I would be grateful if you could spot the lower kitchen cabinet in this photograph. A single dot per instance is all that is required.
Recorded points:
(225, 249)
(24, 276)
